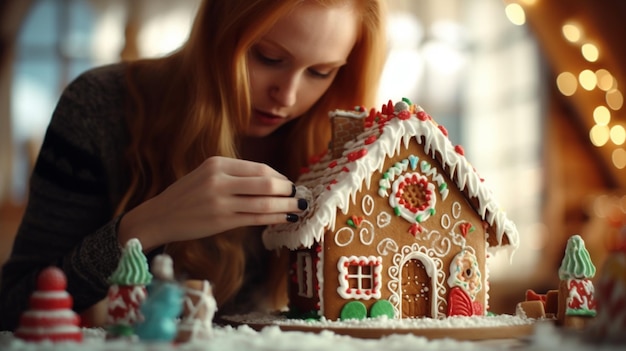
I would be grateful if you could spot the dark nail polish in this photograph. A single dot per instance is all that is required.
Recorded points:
(292, 218)
(303, 204)
(293, 190)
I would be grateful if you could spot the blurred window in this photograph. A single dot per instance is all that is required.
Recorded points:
(53, 47)
(479, 76)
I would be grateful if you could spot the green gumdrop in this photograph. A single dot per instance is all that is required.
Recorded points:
(382, 308)
(353, 310)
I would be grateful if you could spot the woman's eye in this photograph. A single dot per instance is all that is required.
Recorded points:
(319, 74)
(267, 59)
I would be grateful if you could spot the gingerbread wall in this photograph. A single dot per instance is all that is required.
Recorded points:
(362, 232)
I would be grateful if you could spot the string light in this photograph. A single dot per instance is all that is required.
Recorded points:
(599, 135)
(590, 52)
(614, 99)
(618, 134)
(571, 32)
(587, 79)
(515, 13)
(619, 158)
(605, 79)
(567, 83)
(602, 115)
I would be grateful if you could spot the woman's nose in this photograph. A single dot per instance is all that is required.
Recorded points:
(285, 91)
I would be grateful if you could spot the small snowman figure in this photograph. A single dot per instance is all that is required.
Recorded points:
(163, 305)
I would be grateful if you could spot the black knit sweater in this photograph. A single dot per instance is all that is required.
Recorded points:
(76, 182)
(76, 185)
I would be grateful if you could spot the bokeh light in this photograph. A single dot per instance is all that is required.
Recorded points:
(590, 52)
(515, 13)
(571, 32)
(567, 83)
(599, 135)
(602, 115)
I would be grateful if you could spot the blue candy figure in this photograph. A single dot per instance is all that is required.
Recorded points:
(163, 305)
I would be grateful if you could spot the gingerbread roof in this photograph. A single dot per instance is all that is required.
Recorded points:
(331, 183)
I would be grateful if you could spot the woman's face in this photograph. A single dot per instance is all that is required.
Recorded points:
(296, 61)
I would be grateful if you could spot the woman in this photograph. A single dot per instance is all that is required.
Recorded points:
(193, 153)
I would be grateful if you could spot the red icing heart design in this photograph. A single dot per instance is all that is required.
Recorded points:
(466, 228)
(357, 221)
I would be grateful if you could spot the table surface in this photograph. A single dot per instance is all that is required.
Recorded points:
(545, 337)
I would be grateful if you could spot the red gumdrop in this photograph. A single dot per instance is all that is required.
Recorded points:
(51, 279)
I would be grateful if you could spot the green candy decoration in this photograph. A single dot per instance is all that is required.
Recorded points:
(576, 263)
(382, 308)
(133, 266)
(353, 310)
(127, 291)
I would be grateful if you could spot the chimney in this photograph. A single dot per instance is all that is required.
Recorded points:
(346, 126)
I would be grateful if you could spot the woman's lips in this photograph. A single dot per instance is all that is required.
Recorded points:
(268, 118)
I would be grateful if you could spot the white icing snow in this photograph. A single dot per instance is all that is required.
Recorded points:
(545, 337)
(384, 322)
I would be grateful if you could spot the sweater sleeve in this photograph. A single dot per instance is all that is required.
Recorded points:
(69, 220)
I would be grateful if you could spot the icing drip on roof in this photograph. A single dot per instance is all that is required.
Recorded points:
(332, 184)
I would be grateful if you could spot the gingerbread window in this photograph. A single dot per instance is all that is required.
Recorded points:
(359, 277)
(305, 274)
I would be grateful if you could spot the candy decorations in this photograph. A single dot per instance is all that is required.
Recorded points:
(50, 316)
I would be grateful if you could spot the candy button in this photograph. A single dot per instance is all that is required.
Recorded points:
(353, 310)
(382, 308)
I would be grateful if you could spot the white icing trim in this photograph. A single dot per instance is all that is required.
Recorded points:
(320, 279)
(383, 219)
(456, 210)
(347, 242)
(367, 205)
(440, 244)
(385, 246)
(364, 231)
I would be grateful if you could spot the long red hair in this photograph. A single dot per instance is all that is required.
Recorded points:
(198, 97)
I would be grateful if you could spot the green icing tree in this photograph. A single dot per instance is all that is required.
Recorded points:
(133, 266)
(576, 263)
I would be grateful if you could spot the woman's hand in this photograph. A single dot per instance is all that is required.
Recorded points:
(221, 194)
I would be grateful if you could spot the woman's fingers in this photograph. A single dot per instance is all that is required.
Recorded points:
(240, 168)
(265, 205)
(253, 219)
(269, 186)
(219, 195)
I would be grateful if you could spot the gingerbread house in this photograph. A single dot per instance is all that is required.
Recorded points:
(399, 222)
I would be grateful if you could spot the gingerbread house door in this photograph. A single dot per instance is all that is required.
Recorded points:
(416, 291)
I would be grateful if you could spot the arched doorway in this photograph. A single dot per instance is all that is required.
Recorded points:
(416, 287)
